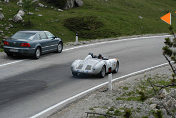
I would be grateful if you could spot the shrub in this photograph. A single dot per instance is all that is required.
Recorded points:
(127, 113)
(143, 97)
(88, 27)
(57, 3)
(82, 23)
(1, 44)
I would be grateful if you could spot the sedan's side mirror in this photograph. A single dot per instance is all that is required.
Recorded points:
(53, 37)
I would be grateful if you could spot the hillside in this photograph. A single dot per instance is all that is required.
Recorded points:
(119, 18)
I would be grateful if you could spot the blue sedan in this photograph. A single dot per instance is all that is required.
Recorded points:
(32, 43)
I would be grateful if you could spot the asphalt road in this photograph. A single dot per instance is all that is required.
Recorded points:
(30, 86)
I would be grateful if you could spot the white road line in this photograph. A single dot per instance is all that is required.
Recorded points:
(11, 63)
(99, 43)
(92, 89)
(120, 40)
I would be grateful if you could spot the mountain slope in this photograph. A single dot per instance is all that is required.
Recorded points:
(122, 17)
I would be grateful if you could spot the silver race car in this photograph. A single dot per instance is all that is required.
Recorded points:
(95, 65)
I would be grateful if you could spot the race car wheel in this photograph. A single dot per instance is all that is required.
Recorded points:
(59, 47)
(117, 68)
(103, 72)
(74, 74)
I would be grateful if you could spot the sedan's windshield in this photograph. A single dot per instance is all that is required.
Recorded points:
(23, 35)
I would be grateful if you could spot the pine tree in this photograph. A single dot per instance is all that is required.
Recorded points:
(169, 51)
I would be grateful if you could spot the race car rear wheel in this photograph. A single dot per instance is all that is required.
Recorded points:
(117, 68)
(103, 72)
(74, 74)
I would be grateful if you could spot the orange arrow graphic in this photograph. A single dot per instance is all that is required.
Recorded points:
(167, 18)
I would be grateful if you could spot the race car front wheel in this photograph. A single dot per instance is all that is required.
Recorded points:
(74, 74)
(103, 72)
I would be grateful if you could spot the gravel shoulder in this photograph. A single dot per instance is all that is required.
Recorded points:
(125, 98)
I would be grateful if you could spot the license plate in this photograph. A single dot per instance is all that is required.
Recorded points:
(13, 50)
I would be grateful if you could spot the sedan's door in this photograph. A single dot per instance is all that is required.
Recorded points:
(53, 41)
(45, 42)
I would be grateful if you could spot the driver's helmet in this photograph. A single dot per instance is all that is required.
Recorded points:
(100, 56)
(91, 54)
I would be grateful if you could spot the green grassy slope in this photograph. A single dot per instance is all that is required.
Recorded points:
(119, 16)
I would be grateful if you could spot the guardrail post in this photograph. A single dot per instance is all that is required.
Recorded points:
(110, 82)
(76, 42)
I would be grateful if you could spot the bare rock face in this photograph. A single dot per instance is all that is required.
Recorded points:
(17, 18)
(1, 16)
(73, 3)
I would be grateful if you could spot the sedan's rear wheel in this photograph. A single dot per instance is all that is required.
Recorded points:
(37, 53)
(59, 48)
(9, 54)
(103, 72)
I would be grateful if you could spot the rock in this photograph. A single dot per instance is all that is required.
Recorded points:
(7, 28)
(69, 4)
(140, 17)
(19, 3)
(171, 103)
(10, 19)
(10, 25)
(0, 9)
(36, 9)
(17, 18)
(6, 1)
(5, 37)
(60, 10)
(21, 12)
(79, 3)
(1, 31)
(73, 3)
(1, 16)
(52, 7)
(30, 13)
(40, 15)
(41, 5)
(153, 106)
(173, 93)
(163, 94)
(35, 1)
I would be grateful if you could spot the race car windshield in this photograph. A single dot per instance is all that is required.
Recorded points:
(23, 35)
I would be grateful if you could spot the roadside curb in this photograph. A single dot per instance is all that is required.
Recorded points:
(53, 109)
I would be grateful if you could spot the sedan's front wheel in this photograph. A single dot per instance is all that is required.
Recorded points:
(59, 47)
(37, 53)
